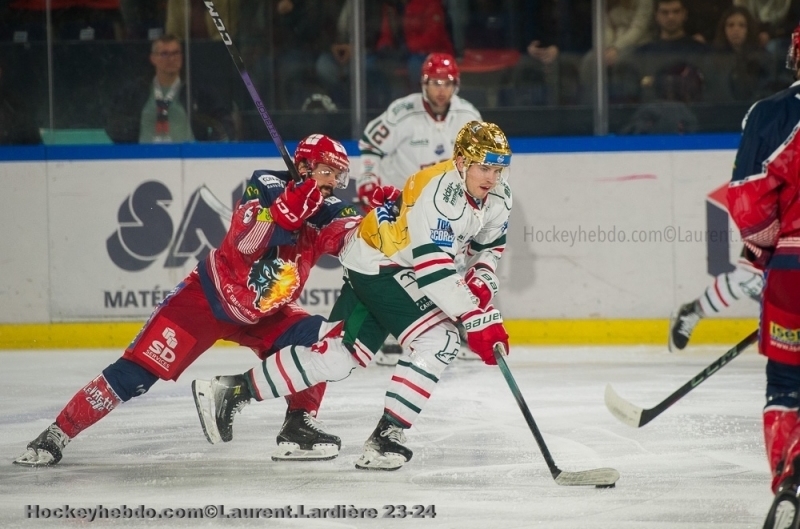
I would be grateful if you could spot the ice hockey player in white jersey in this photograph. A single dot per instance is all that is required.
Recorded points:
(743, 282)
(415, 132)
(401, 278)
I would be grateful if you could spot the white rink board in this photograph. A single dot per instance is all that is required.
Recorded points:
(59, 216)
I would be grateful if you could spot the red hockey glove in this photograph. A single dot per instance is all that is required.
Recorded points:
(484, 329)
(483, 284)
(366, 190)
(296, 204)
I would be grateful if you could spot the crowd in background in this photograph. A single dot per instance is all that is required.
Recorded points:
(666, 61)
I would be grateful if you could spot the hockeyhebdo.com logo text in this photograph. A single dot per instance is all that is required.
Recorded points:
(574, 236)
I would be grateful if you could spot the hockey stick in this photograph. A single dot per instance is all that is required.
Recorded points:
(239, 63)
(637, 417)
(599, 477)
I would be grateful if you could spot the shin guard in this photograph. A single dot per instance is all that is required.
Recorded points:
(87, 406)
(782, 441)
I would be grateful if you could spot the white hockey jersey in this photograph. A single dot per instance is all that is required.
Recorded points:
(406, 138)
(435, 224)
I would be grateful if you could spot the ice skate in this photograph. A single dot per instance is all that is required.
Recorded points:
(390, 353)
(46, 449)
(384, 449)
(217, 401)
(784, 511)
(302, 439)
(681, 325)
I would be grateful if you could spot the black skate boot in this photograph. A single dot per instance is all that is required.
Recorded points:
(784, 511)
(384, 449)
(46, 449)
(682, 324)
(302, 439)
(217, 401)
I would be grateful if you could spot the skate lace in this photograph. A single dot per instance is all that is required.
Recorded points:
(688, 323)
(394, 433)
(57, 436)
(239, 406)
(312, 422)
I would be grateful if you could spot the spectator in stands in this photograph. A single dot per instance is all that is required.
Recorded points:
(201, 26)
(554, 34)
(425, 31)
(703, 17)
(774, 25)
(153, 110)
(626, 25)
(676, 85)
(737, 36)
(671, 36)
(672, 46)
(298, 36)
(385, 52)
(17, 125)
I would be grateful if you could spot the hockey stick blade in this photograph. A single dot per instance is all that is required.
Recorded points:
(637, 417)
(599, 477)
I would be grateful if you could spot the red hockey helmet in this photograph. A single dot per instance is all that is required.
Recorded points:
(318, 148)
(793, 57)
(440, 66)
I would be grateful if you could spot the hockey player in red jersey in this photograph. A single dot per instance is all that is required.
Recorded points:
(763, 200)
(400, 277)
(244, 292)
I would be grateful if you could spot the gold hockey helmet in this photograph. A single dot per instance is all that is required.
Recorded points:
(483, 143)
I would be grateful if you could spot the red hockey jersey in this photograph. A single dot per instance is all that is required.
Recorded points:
(260, 267)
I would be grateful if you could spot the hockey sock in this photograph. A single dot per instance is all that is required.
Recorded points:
(410, 388)
(790, 453)
(308, 400)
(295, 368)
(728, 288)
(89, 405)
(778, 424)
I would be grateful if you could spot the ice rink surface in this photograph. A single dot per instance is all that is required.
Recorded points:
(699, 465)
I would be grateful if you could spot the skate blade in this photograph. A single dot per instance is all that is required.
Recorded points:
(32, 458)
(374, 460)
(204, 402)
(293, 452)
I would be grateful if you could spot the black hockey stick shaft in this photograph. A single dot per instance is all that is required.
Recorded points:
(262, 109)
(736, 350)
(637, 416)
(499, 354)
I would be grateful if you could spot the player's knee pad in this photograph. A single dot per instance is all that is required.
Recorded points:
(328, 360)
(128, 379)
(436, 347)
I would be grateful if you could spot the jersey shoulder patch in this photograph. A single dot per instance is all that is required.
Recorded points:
(449, 197)
(404, 107)
(265, 186)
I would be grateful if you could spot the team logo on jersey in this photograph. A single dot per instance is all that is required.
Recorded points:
(443, 234)
(274, 282)
(783, 337)
(439, 150)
